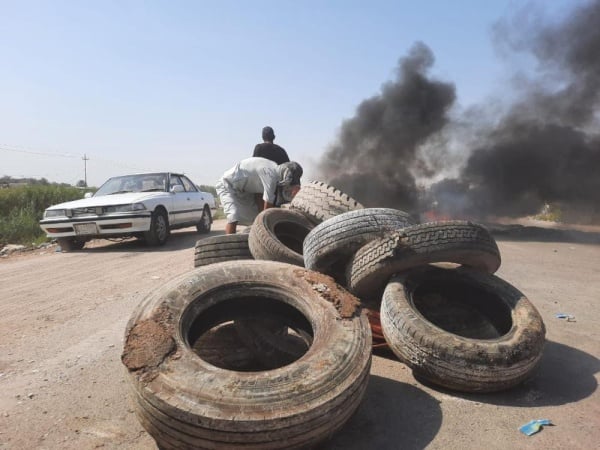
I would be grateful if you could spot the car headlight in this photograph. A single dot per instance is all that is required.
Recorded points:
(55, 213)
(125, 208)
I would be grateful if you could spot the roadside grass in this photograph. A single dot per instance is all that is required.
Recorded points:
(219, 213)
(22, 207)
(551, 213)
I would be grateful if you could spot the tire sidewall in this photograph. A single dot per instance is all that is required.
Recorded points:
(347, 343)
(522, 345)
(264, 242)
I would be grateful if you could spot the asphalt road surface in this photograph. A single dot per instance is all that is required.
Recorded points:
(63, 386)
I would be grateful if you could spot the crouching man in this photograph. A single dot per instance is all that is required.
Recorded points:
(238, 187)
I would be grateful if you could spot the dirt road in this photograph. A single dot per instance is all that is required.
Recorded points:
(62, 384)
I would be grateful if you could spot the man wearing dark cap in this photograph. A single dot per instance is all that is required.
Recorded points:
(269, 150)
(239, 186)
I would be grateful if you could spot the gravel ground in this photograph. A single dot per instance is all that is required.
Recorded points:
(63, 316)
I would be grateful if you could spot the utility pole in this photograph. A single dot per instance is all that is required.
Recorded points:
(85, 160)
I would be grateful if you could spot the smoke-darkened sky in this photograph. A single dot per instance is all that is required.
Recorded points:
(543, 147)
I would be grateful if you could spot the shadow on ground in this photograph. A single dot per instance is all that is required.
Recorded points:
(179, 240)
(383, 421)
(565, 375)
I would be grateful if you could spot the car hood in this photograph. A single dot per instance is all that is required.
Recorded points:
(106, 200)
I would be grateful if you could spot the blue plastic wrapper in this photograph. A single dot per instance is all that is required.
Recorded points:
(569, 317)
(534, 426)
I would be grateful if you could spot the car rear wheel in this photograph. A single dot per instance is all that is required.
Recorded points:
(159, 229)
(205, 221)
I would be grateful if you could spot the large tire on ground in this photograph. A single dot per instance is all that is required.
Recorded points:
(184, 401)
(205, 221)
(278, 235)
(70, 243)
(224, 247)
(462, 329)
(320, 201)
(329, 247)
(457, 242)
(159, 229)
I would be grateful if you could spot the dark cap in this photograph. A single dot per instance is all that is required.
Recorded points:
(268, 134)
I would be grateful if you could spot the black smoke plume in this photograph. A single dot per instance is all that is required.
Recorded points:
(376, 157)
(543, 148)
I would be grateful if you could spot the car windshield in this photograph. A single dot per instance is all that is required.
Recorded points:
(134, 183)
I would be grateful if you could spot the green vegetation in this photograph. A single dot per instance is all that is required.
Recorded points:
(219, 212)
(22, 207)
(210, 189)
(551, 213)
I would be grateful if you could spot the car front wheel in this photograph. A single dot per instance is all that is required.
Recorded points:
(159, 229)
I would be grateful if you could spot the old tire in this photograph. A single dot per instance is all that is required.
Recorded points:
(329, 247)
(320, 201)
(205, 221)
(278, 235)
(462, 329)
(224, 247)
(457, 242)
(185, 402)
(70, 244)
(159, 229)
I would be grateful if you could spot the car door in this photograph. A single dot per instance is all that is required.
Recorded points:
(180, 213)
(195, 200)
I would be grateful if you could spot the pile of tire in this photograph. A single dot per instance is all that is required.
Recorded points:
(250, 350)
(429, 288)
(431, 292)
(267, 343)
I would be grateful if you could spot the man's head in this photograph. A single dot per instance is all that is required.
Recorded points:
(290, 173)
(289, 181)
(268, 134)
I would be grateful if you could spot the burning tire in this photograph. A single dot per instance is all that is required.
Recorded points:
(320, 201)
(278, 234)
(329, 247)
(224, 247)
(456, 242)
(462, 329)
(184, 401)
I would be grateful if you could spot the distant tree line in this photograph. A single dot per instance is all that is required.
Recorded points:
(6, 181)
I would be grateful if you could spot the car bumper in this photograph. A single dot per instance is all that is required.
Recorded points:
(96, 226)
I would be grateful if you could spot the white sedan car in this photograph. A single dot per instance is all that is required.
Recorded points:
(145, 205)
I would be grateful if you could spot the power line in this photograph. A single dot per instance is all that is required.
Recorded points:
(31, 152)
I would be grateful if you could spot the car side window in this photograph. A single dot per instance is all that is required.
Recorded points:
(189, 186)
(174, 180)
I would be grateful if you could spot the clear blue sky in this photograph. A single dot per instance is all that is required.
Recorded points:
(188, 85)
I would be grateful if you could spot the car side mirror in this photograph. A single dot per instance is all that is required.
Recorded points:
(177, 188)
(87, 195)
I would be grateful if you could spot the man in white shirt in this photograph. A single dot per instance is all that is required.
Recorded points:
(239, 185)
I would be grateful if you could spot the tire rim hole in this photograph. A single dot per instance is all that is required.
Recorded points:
(248, 334)
(463, 309)
(291, 235)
